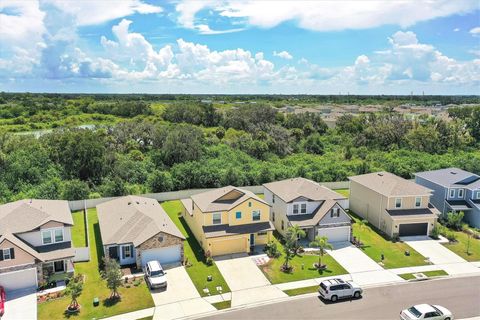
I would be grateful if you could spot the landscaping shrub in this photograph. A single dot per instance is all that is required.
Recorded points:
(435, 232)
(454, 220)
(451, 236)
(271, 250)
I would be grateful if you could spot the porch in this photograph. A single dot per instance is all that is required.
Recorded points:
(56, 271)
(123, 253)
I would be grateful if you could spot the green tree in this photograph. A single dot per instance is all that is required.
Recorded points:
(160, 181)
(313, 144)
(322, 244)
(75, 190)
(293, 234)
(183, 143)
(74, 290)
(113, 276)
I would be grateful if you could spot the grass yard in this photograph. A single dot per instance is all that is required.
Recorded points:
(430, 274)
(223, 305)
(299, 291)
(460, 247)
(302, 267)
(375, 245)
(133, 298)
(79, 234)
(343, 192)
(199, 270)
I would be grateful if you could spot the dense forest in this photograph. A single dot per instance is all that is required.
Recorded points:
(146, 144)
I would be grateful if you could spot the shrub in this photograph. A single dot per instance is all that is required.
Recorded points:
(435, 232)
(271, 250)
(209, 261)
(454, 220)
(451, 236)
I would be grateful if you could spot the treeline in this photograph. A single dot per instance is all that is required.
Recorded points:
(193, 145)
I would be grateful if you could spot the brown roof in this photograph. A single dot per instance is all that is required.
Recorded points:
(308, 220)
(27, 215)
(133, 219)
(222, 230)
(291, 189)
(223, 199)
(389, 184)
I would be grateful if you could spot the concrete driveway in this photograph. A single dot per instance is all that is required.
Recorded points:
(21, 305)
(240, 272)
(433, 250)
(352, 258)
(180, 287)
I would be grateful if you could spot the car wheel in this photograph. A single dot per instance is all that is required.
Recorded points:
(356, 295)
(334, 298)
(447, 319)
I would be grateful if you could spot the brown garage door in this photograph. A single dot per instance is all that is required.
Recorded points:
(413, 229)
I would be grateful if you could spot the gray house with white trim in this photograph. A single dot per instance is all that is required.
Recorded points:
(454, 190)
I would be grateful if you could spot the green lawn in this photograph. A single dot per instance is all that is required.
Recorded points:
(430, 274)
(223, 305)
(133, 298)
(302, 267)
(460, 247)
(198, 271)
(298, 291)
(343, 192)
(375, 245)
(79, 236)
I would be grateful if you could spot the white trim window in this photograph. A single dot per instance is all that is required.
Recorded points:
(126, 251)
(295, 208)
(217, 218)
(418, 202)
(6, 254)
(50, 236)
(335, 213)
(58, 235)
(303, 208)
(460, 193)
(398, 203)
(451, 193)
(47, 237)
(256, 215)
(478, 194)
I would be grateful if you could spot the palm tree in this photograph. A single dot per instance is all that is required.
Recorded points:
(289, 254)
(293, 234)
(322, 244)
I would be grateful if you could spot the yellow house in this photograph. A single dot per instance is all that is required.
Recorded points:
(228, 220)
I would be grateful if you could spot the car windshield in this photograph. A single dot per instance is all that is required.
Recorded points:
(438, 310)
(157, 273)
(415, 312)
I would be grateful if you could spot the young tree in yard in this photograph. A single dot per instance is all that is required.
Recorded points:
(74, 289)
(322, 244)
(361, 224)
(113, 275)
(289, 251)
(293, 234)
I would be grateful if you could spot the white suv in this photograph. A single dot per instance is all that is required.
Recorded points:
(156, 277)
(335, 289)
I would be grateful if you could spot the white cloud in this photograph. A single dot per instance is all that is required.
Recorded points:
(456, 29)
(475, 32)
(283, 54)
(325, 15)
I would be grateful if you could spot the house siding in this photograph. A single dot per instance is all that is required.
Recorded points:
(438, 196)
(328, 219)
(279, 209)
(21, 257)
(154, 242)
(34, 238)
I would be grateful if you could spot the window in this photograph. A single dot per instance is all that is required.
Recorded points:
(249, 204)
(264, 233)
(335, 213)
(418, 202)
(303, 208)
(126, 251)
(6, 254)
(452, 193)
(295, 209)
(283, 225)
(238, 215)
(58, 235)
(47, 237)
(460, 193)
(59, 266)
(273, 216)
(256, 215)
(398, 203)
(478, 194)
(217, 218)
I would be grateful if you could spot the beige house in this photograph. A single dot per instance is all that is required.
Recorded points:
(136, 230)
(396, 206)
(35, 243)
(228, 220)
(318, 210)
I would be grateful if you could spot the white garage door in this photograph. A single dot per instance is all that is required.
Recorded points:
(164, 255)
(18, 280)
(335, 234)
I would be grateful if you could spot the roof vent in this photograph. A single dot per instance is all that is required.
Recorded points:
(380, 174)
(129, 203)
(453, 172)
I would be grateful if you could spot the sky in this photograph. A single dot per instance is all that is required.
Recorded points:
(240, 47)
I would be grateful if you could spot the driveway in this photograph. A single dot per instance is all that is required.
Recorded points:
(180, 287)
(433, 250)
(352, 258)
(240, 272)
(21, 305)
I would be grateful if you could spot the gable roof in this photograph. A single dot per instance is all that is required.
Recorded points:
(291, 189)
(223, 199)
(314, 218)
(133, 219)
(451, 177)
(29, 214)
(20, 244)
(389, 184)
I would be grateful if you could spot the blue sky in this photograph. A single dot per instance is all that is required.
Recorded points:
(223, 46)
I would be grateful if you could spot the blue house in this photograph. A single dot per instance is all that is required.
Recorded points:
(454, 190)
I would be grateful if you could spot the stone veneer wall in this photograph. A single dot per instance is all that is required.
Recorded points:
(154, 242)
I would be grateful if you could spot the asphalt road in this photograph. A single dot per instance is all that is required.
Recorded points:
(459, 295)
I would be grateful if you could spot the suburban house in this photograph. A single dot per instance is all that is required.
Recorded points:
(228, 220)
(313, 207)
(395, 206)
(35, 243)
(136, 230)
(454, 190)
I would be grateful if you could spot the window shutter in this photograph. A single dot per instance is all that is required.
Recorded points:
(12, 253)
(1, 255)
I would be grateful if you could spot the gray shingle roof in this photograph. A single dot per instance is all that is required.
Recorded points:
(291, 189)
(223, 199)
(451, 177)
(389, 184)
(133, 219)
(308, 220)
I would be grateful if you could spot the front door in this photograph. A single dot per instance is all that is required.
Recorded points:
(59, 266)
(113, 252)
(252, 240)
